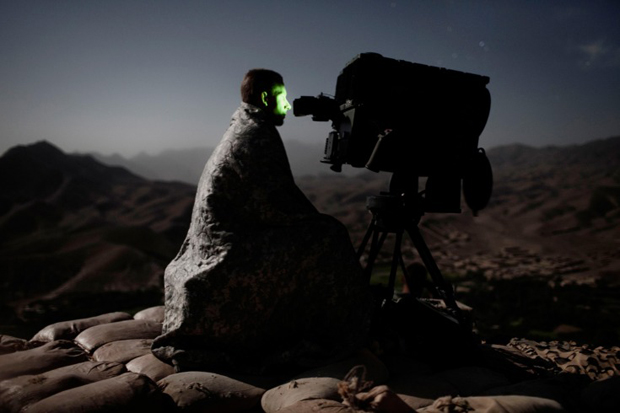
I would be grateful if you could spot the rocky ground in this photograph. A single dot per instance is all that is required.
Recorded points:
(104, 363)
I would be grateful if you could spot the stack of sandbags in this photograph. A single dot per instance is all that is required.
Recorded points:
(19, 392)
(78, 365)
(120, 341)
(94, 337)
(40, 359)
(138, 358)
(104, 363)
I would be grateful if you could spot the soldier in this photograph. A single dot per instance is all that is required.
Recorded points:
(263, 281)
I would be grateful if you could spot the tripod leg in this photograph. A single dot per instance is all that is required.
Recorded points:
(369, 232)
(375, 247)
(397, 258)
(405, 272)
(444, 288)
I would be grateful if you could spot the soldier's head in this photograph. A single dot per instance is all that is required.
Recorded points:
(265, 89)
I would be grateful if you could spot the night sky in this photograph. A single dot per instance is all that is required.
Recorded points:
(144, 76)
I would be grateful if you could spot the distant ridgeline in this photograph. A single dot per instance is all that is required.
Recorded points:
(186, 165)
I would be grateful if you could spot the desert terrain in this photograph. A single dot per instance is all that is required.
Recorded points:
(542, 260)
(84, 246)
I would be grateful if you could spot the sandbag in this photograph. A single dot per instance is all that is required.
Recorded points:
(376, 371)
(150, 366)
(123, 351)
(198, 391)
(317, 405)
(68, 330)
(94, 337)
(19, 392)
(127, 393)
(10, 344)
(40, 359)
(511, 404)
(101, 369)
(298, 390)
(153, 314)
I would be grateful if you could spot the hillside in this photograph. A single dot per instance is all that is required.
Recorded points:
(79, 236)
(186, 165)
(541, 261)
(76, 230)
(171, 165)
(552, 201)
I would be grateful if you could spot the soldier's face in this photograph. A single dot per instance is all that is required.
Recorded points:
(277, 104)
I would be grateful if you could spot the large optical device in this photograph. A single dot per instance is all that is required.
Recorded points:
(412, 120)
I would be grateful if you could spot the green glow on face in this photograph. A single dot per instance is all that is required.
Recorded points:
(281, 104)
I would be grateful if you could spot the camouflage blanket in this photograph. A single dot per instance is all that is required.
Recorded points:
(568, 357)
(262, 278)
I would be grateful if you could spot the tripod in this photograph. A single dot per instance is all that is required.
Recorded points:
(396, 214)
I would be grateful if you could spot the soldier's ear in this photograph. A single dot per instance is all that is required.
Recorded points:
(263, 98)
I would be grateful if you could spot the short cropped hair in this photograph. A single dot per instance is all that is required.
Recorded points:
(257, 81)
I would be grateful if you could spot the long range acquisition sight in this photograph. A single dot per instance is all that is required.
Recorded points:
(412, 120)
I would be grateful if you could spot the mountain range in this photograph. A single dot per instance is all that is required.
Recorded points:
(73, 227)
(79, 236)
(186, 165)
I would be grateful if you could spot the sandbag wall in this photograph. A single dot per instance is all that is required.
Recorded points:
(104, 364)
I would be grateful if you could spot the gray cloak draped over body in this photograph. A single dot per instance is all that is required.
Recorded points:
(262, 279)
